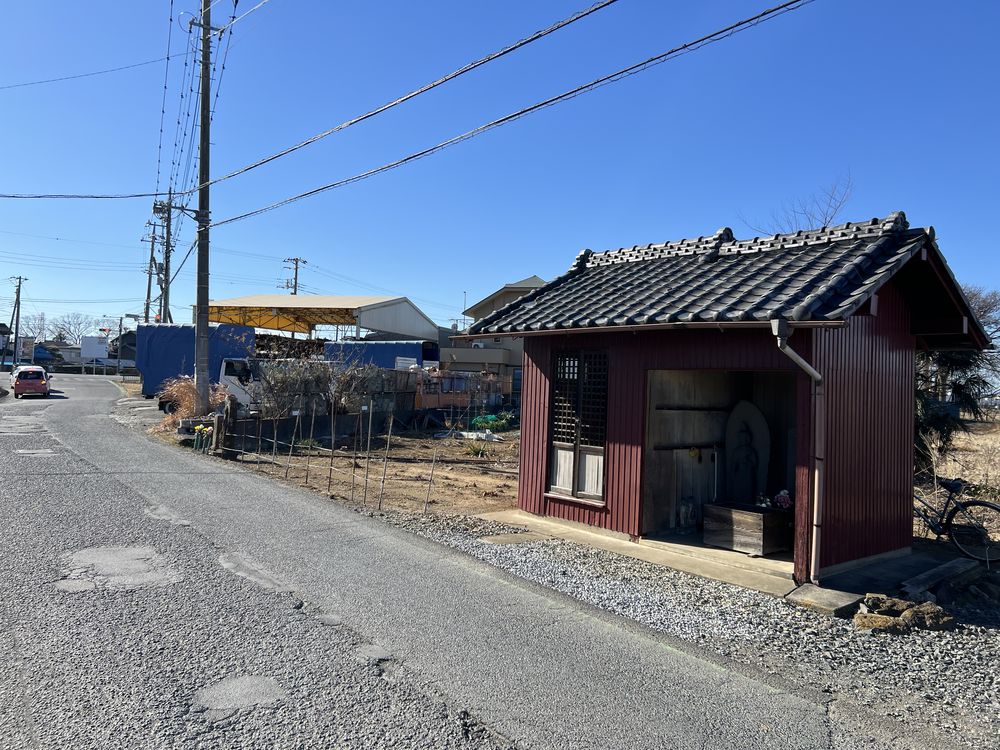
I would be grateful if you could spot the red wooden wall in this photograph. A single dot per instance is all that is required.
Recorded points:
(869, 372)
(630, 356)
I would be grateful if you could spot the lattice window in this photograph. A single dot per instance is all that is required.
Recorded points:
(593, 398)
(579, 423)
(565, 389)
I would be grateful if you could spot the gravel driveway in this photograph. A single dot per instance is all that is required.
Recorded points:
(946, 680)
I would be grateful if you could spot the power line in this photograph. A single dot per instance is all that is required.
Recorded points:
(225, 56)
(344, 278)
(422, 90)
(344, 125)
(572, 93)
(85, 75)
(163, 102)
(72, 240)
(235, 20)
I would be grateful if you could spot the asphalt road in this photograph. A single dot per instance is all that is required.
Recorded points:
(153, 598)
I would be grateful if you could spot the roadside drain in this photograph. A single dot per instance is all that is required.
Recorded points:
(116, 568)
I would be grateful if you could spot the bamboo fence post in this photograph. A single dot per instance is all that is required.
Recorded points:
(368, 450)
(291, 443)
(260, 432)
(430, 481)
(333, 439)
(354, 457)
(312, 427)
(385, 462)
(274, 441)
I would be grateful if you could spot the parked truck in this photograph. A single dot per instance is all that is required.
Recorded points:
(165, 351)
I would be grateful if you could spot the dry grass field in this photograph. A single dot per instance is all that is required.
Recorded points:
(976, 457)
(470, 476)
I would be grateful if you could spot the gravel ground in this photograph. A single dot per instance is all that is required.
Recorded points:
(947, 680)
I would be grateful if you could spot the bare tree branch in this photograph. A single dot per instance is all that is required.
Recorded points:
(820, 209)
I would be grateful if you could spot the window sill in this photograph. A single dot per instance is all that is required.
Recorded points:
(578, 500)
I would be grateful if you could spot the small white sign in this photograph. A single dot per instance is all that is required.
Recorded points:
(93, 347)
(405, 363)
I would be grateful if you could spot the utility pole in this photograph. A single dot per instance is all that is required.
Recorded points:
(17, 320)
(165, 316)
(150, 270)
(294, 285)
(119, 369)
(204, 175)
(165, 210)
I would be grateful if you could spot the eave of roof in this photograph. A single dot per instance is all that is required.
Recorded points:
(806, 277)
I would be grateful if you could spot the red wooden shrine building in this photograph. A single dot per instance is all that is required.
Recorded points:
(664, 383)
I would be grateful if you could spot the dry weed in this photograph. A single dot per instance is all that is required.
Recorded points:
(181, 391)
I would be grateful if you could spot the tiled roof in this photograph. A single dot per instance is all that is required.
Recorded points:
(814, 275)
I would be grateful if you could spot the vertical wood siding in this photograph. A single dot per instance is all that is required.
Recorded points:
(868, 371)
(532, 476)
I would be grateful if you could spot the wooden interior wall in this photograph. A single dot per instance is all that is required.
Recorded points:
(868, 371)
(684, 408)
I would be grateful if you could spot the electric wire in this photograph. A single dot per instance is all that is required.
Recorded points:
(86, 75)
(361, 284)
(565, 96)
(235, 20)
(361, 118)
(163, 102)
(417, 92)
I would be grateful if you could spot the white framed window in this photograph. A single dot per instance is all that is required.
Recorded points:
(579, 424)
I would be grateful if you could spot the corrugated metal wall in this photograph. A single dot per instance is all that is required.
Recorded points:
(868, 371)
(631, 356)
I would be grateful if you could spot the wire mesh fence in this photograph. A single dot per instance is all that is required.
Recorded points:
(365, 457)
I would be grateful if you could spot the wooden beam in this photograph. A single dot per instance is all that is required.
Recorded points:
(940, 326)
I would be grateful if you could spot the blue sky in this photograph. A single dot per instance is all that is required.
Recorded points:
(901, 96)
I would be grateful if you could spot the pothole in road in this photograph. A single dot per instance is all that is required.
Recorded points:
(116, 568)
(163, 513)
(248, 569)
(220, 700)
(74, 585)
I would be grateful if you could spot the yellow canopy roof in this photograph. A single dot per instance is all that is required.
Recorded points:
(302, 312)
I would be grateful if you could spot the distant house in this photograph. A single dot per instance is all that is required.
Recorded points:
(62, 351)
(127, 346)
(5, 338)
(670, 387)
(498, 355)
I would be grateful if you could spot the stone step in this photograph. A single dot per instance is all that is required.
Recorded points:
(959, 568)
